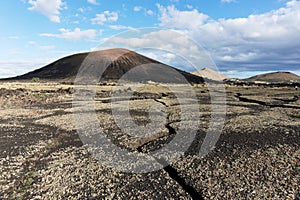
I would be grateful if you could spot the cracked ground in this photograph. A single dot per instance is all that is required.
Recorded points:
(256, 157)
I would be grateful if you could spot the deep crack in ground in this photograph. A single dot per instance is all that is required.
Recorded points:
(270, 104)
(172, 172)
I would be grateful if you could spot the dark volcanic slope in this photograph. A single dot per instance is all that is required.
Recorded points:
(119, 61)
(275, 77)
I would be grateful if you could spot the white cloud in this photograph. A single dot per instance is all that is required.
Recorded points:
(188, 6)
(171, 17)
(106, 16)
(13, 52)
(118, 27)
(227, 1)
(149, 12)
(121, 27)
(11, 68)
(100, 32)
(77, 34)
(32, 42)
(51, 9)
(267, 40)
(93, 2)
(82, 9)
(137, 8)
(14, 37)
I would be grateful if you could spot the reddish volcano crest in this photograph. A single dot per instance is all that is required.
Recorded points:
(275, 77)
(116, 63)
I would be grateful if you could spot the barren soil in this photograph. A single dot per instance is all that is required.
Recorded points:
(42, 157)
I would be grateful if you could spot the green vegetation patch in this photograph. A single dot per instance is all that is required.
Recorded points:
(35, 79)
(296, 116)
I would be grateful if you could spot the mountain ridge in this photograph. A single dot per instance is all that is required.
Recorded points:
(279, 76)
(118, 62)
(211, 74)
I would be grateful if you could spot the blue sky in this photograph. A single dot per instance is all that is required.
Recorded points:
(243, 37)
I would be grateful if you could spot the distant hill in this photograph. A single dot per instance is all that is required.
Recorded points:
(210, 74)
(275, 77)
(119, 61)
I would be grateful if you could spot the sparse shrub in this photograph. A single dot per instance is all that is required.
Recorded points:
(35, 79)
(296, 116)
(24, 185)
